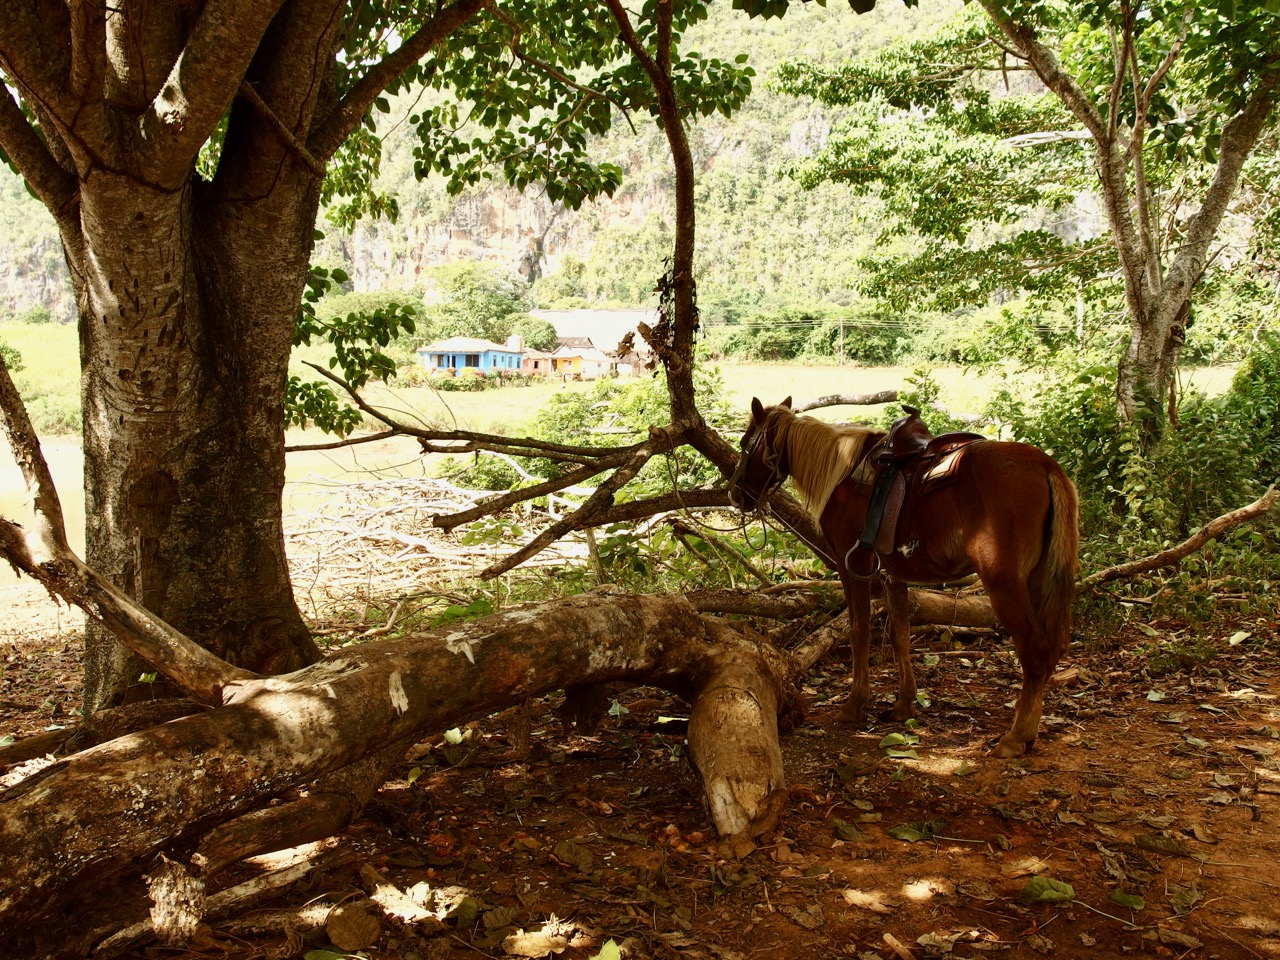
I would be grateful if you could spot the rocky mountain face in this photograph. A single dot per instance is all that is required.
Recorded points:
(36, 277)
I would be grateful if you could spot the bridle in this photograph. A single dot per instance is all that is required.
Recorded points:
(774, 461)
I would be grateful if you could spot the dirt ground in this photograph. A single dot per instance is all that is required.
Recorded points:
(1150, 802)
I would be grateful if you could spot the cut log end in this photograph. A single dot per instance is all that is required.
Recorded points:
(178, 903)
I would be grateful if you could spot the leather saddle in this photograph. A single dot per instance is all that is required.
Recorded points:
(909, 459)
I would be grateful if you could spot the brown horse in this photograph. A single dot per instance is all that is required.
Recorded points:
(1008, 512)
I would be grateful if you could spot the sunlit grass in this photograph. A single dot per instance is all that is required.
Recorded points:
(51, 375)
(50, 358)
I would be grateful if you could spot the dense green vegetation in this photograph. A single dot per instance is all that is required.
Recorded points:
(802, 261)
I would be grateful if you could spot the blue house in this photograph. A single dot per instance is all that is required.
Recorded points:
(456, 354)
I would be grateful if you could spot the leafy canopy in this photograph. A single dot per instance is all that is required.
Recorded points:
(521, 91)
(982, 170)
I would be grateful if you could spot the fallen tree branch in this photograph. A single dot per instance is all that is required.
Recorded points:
(752, 604)
(848, 399)
(194, 773)
(496, 504)
(1168, 558)
(243, 895)
(587, 515)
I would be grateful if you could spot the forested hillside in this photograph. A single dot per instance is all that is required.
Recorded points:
(777, 264)
(764, 241)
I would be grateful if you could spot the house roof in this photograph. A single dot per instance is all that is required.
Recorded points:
(605, 327)
(465, 345)
(576, 343)
(586, 353)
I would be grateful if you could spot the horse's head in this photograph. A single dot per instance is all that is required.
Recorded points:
(761, 467)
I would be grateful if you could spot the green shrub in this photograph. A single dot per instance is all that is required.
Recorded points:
(12, 358)
(1254, 402)
(55, 414)
(35, 314)
(1139, 499)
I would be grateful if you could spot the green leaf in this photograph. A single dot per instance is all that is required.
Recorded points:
(918, 830)
(609, 951)
(1130, 900)
(898, 740)
(1047, 890)
(453, 736)
(847, 831)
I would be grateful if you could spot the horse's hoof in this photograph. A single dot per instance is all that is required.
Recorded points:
(899, 714)
(1008, 747)
(849, 716)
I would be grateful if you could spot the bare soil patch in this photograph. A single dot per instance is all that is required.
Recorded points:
(1154, 798)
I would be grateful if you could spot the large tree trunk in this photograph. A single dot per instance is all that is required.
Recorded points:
(196, 773)
(185, 341)
(188, 289)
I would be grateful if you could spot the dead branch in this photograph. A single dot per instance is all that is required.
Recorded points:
(344, 442)
(751, 604)
(499, 503)
(848, 399)
(239, 897)
(467, 441)
(363, 702)
(1170, 557)
(660, 441)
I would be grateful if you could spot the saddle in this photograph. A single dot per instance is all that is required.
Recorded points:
(909, 461)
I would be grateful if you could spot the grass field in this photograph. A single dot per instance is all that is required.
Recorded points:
(50, 384)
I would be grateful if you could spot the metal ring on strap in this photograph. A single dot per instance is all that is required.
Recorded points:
(860, 576)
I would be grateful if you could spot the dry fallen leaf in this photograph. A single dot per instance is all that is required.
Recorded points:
(866, 900)
(1026, 867)
(352, 926)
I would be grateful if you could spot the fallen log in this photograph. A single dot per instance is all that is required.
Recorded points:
(84, 819)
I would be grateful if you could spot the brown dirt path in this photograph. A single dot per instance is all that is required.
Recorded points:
(1156, 798)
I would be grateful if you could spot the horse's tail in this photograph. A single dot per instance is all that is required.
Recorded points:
(1054, 577)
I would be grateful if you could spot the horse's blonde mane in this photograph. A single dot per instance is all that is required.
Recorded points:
(819, 455)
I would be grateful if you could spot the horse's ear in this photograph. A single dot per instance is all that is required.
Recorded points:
(786, 403)
(757, 409)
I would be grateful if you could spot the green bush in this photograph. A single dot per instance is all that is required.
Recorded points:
(1139, 499)
(12, 358)
(1254, 402)
(55, 414)
(35, 314)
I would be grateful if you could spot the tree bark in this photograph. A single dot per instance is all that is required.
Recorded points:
(188, 289)
(165, 788)
(1158, 284)
(184, 344)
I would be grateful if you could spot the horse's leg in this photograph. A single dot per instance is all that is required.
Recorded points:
(1037, 653)
(900, 636)
(857, 595)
